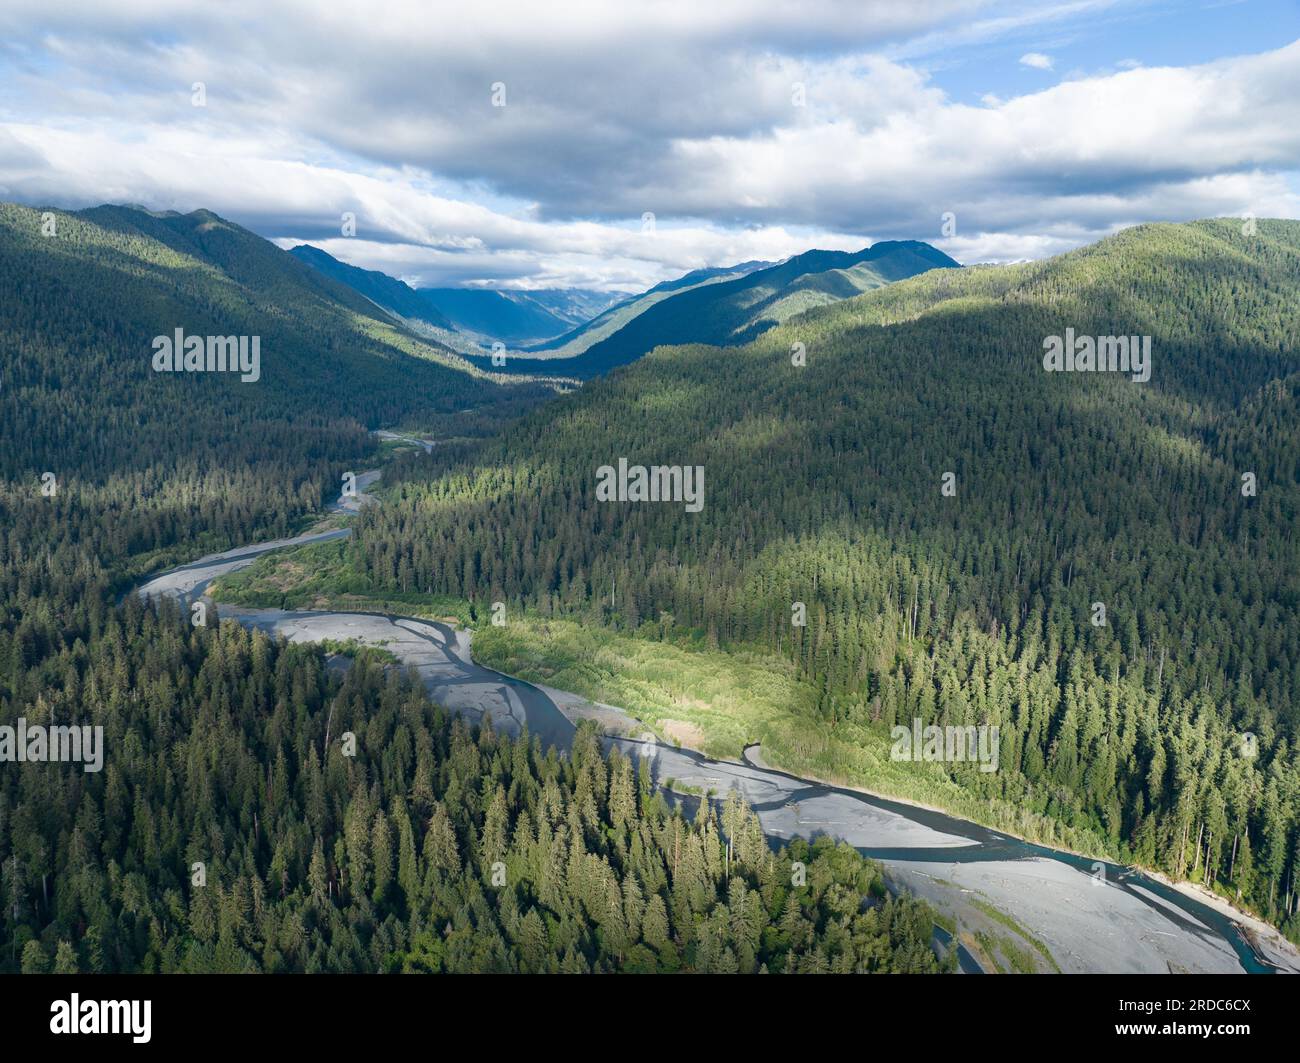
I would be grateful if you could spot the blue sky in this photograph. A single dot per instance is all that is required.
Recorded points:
(1102, 39)
(748, 129)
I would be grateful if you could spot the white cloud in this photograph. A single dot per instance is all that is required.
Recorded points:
(685, 110)
(1037, 60)
(1077, 152)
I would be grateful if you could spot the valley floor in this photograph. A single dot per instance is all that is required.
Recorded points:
(1086, 924)
(1014, 906)
(1023, 913)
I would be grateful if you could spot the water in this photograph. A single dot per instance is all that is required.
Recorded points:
(774, 795)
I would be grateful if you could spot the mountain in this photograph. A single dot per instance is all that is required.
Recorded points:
(382, 290)
(171, 457)
(120, 276)
(579, 333)
(217, 739)
(468, 319)
(726, 310)
(617, 316)
(1106, 570)
(515, 317)
(574, 306)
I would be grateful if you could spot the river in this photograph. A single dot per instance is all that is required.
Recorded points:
(1091, 916)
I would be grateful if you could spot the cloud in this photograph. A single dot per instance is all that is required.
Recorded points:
(751, 130)
(1085, 152)
(1037, 60)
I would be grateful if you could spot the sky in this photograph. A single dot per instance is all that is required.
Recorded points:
(614, 145)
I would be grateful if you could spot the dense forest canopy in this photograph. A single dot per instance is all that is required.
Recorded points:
(433, 848)
(825, 485)
(976, 605)
(229, 830)
(142, 461)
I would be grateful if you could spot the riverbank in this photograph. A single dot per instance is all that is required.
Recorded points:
(1266, 938)
(1018, 905)
(1068, 917)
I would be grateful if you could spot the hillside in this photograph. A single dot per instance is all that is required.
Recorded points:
(145, 461)
(825, 486)
(384, 291)
(730, 310)
(467, 319)
(81, 309)
(616, 317)
(514, 317)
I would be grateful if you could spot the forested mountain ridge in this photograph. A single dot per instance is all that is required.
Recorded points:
(383, 290)
(825, 485)
(81, 308)
(724, 305)
(580, 339)
(1231, 303)
(467, 320)
(225, 831)
(111, 468)
(733, 310)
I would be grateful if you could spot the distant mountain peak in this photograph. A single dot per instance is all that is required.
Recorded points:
(726, 310)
